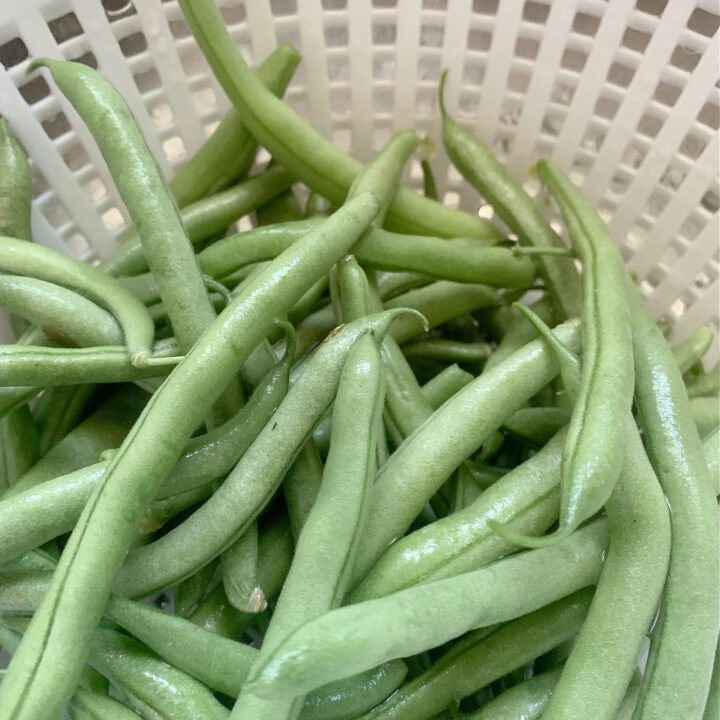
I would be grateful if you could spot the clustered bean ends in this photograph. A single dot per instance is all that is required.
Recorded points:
(370, 458)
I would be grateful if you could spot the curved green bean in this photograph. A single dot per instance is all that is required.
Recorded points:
(445, 384)
(19, 446)
(15, 186)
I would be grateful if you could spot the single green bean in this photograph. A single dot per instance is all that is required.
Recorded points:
(87, 705)
(536, 425)
(240, 572)
(191, 591)
(305, 153)
(58, 411)
(429, 185)
(691, 350)
(23, 258)
(445, 384)
(679, 668)
(390, 284)
(15, 186)
(302, 484)
(479, 166)
(45, 668)
(448, 350)
(422, 464)
(203, 218)
(282, 208)
(144, 191)
(19, 446)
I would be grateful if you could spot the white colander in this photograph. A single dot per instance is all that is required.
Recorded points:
(623, 94)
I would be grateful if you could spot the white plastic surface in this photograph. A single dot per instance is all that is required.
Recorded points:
(625, 95)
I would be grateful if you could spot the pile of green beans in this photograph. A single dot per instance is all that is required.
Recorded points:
(368, 459)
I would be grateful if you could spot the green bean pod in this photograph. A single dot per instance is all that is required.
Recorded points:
(448, 350)
(240, 572)
(58, 411)
(203, 218)
(23, 258)
(301, 486)
(427, 458)
(87, 705)
(283, 208)
(45, 668)
(63, 315)
(445, 384)
(15, 186)
(297, 147)
(690, 351)
(19, 446)
(605, 392)
(682, 647)
(360, 636)
(537, 424)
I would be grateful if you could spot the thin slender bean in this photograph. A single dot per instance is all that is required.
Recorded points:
(479, 166)
(144, 192)
(240, 572)
(536, 425)
(15, 186)
(360, 636)
(391, 284)
(690, 351)
(302, 484)
(679, 669)
(203, 218)
(19, 446)
(44, 670)
(191, 591)
(87, 705)
(445, 384)
(427, 458)
(305, 153)
(429, 185)
(255, 478)
(448, 350)
(23, 258)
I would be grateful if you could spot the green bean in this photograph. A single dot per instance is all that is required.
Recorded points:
(144, 191)
(19, 446)
(15, 186)
(429, 186)
(479, 166)
(282, 208)
(302, 484)
(391, 284)
(519, 332)
(87, 705)
(527, 496)
(536, 425)
(162, 511)
(445, 384)
(691, 350)
(605, 393)
(359, 636)
(240, 572)
(705, 413)
(254, 479)
(707, 383)
(448, 350)
(24, 365)
(527, 700)
(203, 218)
(57, 412)
(49, 659)
(316, 583)
(297, 147)
(420, 466)
(346, 699)
(23, 258)
(63, 315)
(191, 591)
(677, 676)
(229, 152)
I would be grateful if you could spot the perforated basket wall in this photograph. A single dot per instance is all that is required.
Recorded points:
(623, 94)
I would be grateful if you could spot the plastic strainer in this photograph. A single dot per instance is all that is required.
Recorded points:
(623, 94)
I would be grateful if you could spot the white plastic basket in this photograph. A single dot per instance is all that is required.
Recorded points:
(623, 94)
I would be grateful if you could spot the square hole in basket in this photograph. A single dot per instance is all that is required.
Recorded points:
(336, 36)
(606, 107)
(193, 61)
(382, 100)
(435, 4)
(651, 7)
(620, 74)
(552, 123)
(673, 177)
(381, 135)
(592, 139)
(204, 99)
(232, 14)
(334, 4)
(426, 103)
(479, 40)
(76, 157)
(691, 226)
(562, 93)
(210, 127)
(174, 147)
(692, 146)
(526, 47)
(161, 114)
(87, 58)
(656, 203)
(299, 103)
(710, 115)
(585, 24)
(510, 112)
(342, 137)
(283, 7)
(384, 33)
(573, 60)
(536, 12)
(431, 36)
(338, 68)
(112, 218)
(428, 68)
(56, 125)
(35, 90)
(485, 7)
(684, 59)
(518, 81)
(65, 27)
(704, 22)
(649, 125)
(133, 44)
(384, 3)
(710, 201)
(148, 80)
(13, 52)
(95, 189)
(473, 74)
(55, 212)
(636, 40)
(619, 183)
(179, 28)
(633, 156)
(636, 236)
(666, 94)
(117, 9)
(384, 68)
(77, 244)
(340, 100)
